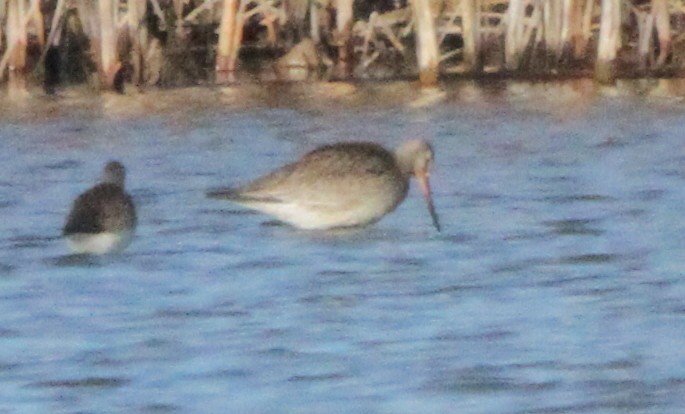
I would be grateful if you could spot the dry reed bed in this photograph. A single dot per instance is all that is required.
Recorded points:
(129, 39)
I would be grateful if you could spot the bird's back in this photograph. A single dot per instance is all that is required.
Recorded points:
(104, 208)
(342, 166)
(336, 185)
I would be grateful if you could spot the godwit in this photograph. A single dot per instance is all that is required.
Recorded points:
(339, 185)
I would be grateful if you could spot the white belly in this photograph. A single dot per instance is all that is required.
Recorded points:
(309, 217)
(99, 243)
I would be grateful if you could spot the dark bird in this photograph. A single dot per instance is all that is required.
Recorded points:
(102, 219)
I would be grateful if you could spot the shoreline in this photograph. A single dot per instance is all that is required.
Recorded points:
(326, 96)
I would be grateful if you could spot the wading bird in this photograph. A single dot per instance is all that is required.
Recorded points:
(340, 185)
(102, 219)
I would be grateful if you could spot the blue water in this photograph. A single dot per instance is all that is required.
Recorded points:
(556, 285)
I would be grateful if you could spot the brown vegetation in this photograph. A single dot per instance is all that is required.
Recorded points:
(170, 42)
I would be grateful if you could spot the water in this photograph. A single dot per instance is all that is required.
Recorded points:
(555, 286)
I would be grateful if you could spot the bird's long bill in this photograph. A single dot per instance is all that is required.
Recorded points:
(425, 186)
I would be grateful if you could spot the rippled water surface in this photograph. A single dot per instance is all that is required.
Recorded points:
(556, 285)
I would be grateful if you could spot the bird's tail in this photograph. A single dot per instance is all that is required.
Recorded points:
(240, 197)
(224, 194)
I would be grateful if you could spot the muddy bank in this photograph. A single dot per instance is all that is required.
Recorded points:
(183, 104)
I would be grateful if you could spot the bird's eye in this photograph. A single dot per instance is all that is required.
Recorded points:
(428, 163)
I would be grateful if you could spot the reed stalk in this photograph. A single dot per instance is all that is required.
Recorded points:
(573, 46)
(426, 37)
(109, 61)
(645, 28)
(314, 28)
(237, 39)
(225, 56)
(137, 32)
(16, 46)
(662, 22)
(55, 29)
(514, 32)
(553, 16)
(471, 33)
(609, 41)
(3, 13)
(343, 22)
